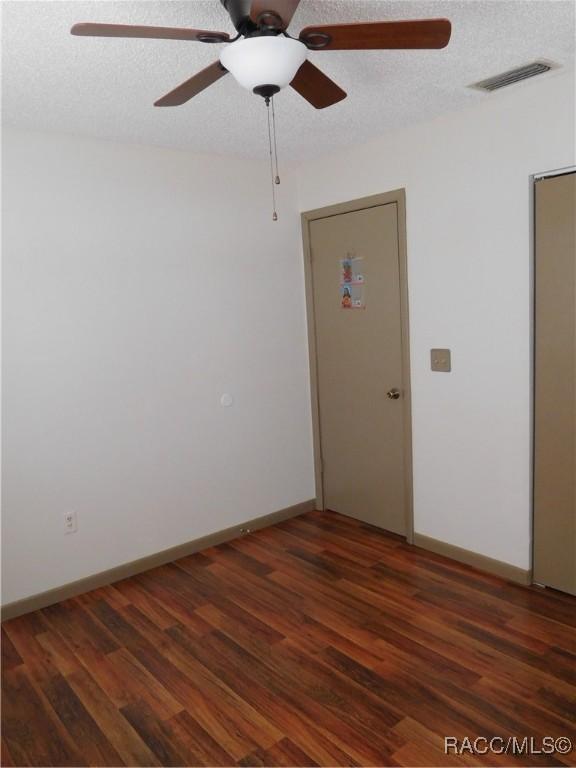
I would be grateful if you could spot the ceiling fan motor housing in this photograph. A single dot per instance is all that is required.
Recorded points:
(239, 12)
(269, 22)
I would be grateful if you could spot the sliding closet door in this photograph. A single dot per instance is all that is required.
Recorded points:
(555, 384)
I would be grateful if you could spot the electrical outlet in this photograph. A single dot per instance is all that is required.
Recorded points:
(70, 522)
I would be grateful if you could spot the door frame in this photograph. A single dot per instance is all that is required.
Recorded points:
(397, 196)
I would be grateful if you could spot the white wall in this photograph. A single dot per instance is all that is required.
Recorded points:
(466, 177)
(139, 285)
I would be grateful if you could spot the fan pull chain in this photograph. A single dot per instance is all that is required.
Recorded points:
(277, 177)
(270, 147)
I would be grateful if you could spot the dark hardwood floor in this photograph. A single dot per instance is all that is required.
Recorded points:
(320, 641)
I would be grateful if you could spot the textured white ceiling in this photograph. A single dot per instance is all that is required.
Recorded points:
(106, 87)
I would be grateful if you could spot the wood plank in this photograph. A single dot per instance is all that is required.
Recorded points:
(58, 654)
(285, 752)
(38, 661)
(140, 685)
(29, 728)
(94, 746)
(156, 735)
(228, 718)
(198, 742)
(424, 747)
(10, 656)
(314, 693)
(138, 596)
(266, 687)
(110, 720)
(6, 758)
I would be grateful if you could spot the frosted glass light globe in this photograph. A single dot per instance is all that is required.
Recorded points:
(267, 60)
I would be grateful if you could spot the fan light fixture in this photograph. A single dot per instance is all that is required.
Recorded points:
(264, 58)
(264, 64)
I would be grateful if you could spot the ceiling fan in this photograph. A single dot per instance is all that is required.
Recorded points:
(264, 58)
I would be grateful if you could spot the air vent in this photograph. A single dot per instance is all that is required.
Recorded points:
(513, 76)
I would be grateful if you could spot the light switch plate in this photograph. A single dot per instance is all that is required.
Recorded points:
(441, 360)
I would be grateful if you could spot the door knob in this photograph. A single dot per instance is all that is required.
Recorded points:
(393, 394)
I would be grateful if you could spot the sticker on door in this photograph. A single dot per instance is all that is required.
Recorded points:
(352, 282)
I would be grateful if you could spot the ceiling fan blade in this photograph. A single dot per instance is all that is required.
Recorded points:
(425, 33)
(316, 87)
(274, 13)
(189, 88)
(156, 33)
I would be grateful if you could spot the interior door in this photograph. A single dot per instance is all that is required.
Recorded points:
(555, 383)
(356, 287)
